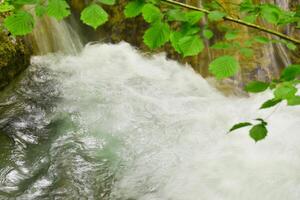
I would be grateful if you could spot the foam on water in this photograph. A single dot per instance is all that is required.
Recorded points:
(172, 126)
(145, 128)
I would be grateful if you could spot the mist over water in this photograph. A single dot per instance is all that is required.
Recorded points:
(111, 123)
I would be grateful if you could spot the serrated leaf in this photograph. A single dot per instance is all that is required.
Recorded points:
(258, 132)
(94, 16)
(157, 35)
(191, 45)
(224, 66)
(256, 86)
(108, 2)
(20, 23)
(240, 125)
(208, 34)
(58, 9)
(285, 91)
(151, 13)
(294, 101)
(270, 103)
(133, 8)
(216, 15)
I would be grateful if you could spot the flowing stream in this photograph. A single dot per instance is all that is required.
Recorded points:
(109, 123)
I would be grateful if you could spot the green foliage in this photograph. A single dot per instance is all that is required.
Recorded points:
(94, 15)
(216, 15)
(108, 2)
(191, 45)
(256, 86)
(290, 73)
(231, 35)
(157, 35)
(224, 66)
(182, 28)
(20, 23)
(240, 125)
(6, 7)
(134, 8)
(58, 9)
(151, 13)
(208, 34)
(270, 103)
(258, 132)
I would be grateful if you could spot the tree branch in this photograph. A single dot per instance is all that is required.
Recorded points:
(238, 21)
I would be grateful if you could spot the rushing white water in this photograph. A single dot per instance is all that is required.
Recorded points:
(163, 129)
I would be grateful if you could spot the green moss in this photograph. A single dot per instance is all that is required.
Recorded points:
(14, 57)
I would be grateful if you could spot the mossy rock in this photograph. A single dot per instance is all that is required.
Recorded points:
(14, 56)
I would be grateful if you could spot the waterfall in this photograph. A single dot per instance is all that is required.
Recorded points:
(50, 35)
(110, 123)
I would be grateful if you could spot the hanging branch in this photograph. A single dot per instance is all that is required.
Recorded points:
(238, 21)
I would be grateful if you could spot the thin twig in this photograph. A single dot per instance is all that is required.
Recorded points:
(238, 21)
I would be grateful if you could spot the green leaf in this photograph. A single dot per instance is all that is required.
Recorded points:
(5, 7)
(240, 125)
(250, 18)
(193, 17)
(270, 13)
(216, 15)
(176, 15)
(40, 10)
(262, 39)
(257, 86)
(24, 2)
(258, 132)
(231, 35)
(294, 101)
(157, 35)
(151, 13)
(108, 2)
(191, 45)
(58, 9)
(270, 103)
(290, 73)
(224, 66)
(175, 38)
(221, 45)
(247, 52)
(263, 122)
(285, 90)
(94, 16)
(188, 29)
(291, 46)
(133, 8)
(20, 23)
(208, 34)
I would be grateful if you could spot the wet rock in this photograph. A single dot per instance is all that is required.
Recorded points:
(14, 56)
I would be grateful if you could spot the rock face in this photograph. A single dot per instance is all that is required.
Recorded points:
(14, 57)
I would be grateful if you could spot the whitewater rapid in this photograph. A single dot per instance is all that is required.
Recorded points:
(158, 131)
